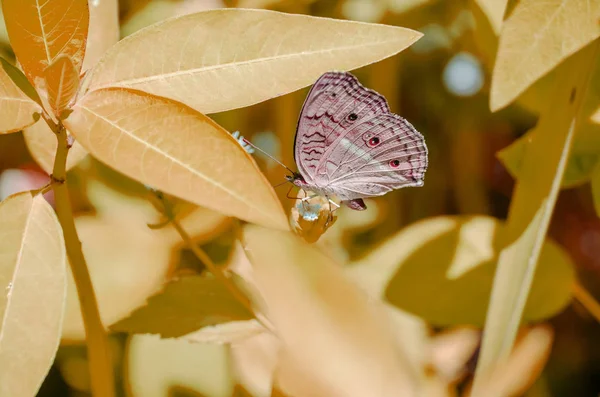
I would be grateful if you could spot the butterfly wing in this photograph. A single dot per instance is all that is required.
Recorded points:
(350, 145)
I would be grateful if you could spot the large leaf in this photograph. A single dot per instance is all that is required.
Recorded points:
(226, 59)
(17, 110)
(531, 209)
(184, 306)
(536, 37)
(321, 317)
(175, 149)
(103, 30)
(39, 32)
(457, 256)
(32, 281)
(158, 367)
(42, 143)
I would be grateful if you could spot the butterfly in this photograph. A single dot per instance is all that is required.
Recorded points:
(349, 145)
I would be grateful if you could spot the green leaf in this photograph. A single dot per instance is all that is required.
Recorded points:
(580, 165)
(184, 306)
(457, 258)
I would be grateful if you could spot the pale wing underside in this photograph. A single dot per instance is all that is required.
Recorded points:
(349, 144)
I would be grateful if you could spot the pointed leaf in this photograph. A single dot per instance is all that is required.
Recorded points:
(42, 143)
(322, 317)
(494, 11)
(103, 30)
(175, 149)
(17, 110)
(62, 82)
(230, 58)
(531, 209)
(535, 38)
(40, 31)
(32, 281)
(185, 306)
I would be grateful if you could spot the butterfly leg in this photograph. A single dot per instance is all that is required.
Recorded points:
(330, 214)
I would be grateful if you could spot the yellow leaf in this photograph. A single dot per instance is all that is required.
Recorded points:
(531, 209)
(457, 255)
(175, 149)
(39, 32)
(103, 30)
(535, 38)
(322, 317)
(230, 58)
(32, 281)
(17, 110)
(157, 367)
(42, 143)
(62, 82)
(190, 303)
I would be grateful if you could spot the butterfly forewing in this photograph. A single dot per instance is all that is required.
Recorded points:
(349, 144)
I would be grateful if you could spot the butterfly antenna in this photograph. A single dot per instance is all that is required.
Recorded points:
(247, 142)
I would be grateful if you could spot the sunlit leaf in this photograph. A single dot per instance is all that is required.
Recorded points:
(535, 38)
(451, 351)
(226, 59)
(531, 209)
(494, 11)
(190, 303)
(254, 362)
(322, 317)
(230, 332)
(127, 261)
(175, 149)
(32, 281)
(457, 256)
(62, 82)
(42, 143)
(39, 32)
(157, 367)
(578, 170)
(17, 110)
(103, 30)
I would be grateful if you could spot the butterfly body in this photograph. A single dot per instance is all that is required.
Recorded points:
(349, 145)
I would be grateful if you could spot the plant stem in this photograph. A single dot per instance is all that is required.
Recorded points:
(100, 364)
(587, 300)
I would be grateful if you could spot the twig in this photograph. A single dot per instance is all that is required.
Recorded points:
(100, 363)
(587, 300)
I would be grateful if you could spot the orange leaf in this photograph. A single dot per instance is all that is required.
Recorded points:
(41, 31)
(175, 149)
(62, 82)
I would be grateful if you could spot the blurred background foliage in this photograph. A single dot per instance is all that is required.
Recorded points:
(441, 85)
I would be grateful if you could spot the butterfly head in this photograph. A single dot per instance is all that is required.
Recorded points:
(296, 179)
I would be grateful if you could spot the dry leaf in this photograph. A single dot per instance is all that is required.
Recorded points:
(62, 82)
(494, 11)
(320, 316)
(155, 366)
(230, 58)
(103, 30)
(17, 110)
(185, 305)
(32, 281)
(535, 38)
(42, 143)
(41, 32)
(177, 150)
